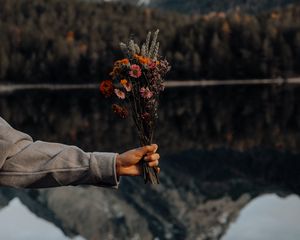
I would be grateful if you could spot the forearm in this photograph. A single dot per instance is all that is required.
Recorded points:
(38, 164)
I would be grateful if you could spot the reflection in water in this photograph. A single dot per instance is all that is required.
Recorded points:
(190, 118)
(17, 223)
(253, 145)
(267, 217)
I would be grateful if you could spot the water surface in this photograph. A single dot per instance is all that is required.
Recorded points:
(267, 217)
(223, 149)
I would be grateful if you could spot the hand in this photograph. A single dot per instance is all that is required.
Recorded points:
(128, 162)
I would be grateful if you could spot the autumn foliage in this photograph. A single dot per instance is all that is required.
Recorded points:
(68, 41)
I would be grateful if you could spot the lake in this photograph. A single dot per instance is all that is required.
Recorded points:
(229, 160)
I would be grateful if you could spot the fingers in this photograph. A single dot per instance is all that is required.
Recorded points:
(155, 147)
(152, 157)
(137, 171)
(153, 163)
(149, 149)
(152, 160)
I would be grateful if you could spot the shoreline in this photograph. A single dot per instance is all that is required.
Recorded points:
(7, 88)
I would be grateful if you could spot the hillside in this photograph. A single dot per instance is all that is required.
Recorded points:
(71, 41)
(206, 6)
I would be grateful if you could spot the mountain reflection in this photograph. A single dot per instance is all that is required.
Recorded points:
(29, 226)
(251, 149)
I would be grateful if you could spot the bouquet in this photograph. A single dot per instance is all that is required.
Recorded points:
(136, 83)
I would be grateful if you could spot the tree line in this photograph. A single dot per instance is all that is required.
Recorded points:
(69, 41)
(206, 6)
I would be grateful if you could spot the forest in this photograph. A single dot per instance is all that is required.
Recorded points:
(206, 6)
(69, 41)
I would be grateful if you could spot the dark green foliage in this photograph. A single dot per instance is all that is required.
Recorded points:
(205, 6)
(238, 45)
(71, 41)
(68, 41)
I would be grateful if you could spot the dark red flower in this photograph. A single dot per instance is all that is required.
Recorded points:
(146, 116)
(106, 88)
(152, 65)
(121, 111)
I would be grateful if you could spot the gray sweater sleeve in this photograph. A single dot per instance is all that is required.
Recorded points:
(25, 163)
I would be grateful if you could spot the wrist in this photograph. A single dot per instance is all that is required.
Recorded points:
(118, 165)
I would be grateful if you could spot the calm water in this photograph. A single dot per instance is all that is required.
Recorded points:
(29, 225)
(267, 217)
(229, 159)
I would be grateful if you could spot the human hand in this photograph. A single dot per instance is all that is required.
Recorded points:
(128, 163)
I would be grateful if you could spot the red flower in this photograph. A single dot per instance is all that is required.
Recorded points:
(106, 88)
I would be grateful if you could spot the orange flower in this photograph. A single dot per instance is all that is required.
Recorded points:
(118, 66)
(123, 81)
(142, 60)
(124, 61)
(127, 85)
(107, 88)
(116, 70)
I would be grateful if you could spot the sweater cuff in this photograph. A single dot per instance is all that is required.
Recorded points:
(103, 167)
